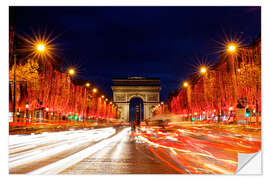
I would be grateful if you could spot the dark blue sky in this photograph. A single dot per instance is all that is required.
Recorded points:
(162, 42)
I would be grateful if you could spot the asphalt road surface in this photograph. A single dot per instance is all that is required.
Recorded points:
(186, 149)
(102, 151)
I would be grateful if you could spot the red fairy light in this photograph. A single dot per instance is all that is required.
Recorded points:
(55, 91)
(224, 86)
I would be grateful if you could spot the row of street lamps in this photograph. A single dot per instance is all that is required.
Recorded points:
(41, 49)
(72, 72)
(231, 49)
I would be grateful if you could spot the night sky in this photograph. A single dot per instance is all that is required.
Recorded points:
(119, 42)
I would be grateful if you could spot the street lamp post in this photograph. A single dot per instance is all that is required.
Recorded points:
(233, 49)
(14, 88)
(40, 48)
(203, 71)
(188, 92)
(86, 115)
(71, 72)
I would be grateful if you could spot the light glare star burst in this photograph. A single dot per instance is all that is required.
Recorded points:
(230, 45)
(40, 46)
(201, 65)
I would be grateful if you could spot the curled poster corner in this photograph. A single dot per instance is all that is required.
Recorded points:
(249, 164)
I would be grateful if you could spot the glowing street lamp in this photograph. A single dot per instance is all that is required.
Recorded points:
(102, 96)
(185, 84)
(231, 48)
(162, 102)
(106, 99)
(95, 90)
(87, 84)
(37, 48)
(40, 47)
(71, 71)
(203, 70)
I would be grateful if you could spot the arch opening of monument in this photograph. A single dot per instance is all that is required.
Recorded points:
(136, 110)
(125, 89)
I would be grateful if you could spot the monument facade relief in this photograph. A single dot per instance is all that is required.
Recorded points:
(147, 89)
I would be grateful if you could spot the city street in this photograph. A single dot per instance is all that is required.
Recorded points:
(185, 148)
(133, 90)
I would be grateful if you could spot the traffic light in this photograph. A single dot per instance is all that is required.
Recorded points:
(247, 113)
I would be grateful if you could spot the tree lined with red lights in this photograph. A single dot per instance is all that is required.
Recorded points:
(40, 88)
(234, 82)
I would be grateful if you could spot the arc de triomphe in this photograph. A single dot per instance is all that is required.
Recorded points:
(148, 89)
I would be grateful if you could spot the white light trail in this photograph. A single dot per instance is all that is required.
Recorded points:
(65, 142)
(69, 161)
(119, 148)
